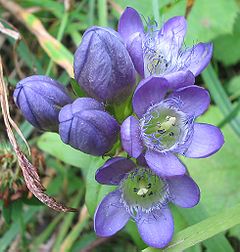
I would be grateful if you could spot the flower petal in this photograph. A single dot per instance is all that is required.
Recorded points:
(156, 228)
(149, 91)
(173, 32)
(134, 47)
(130, 137)
(207, 139)
(180, 79)
(195, 100)
(197, 58)
(111, 215)
(164, 164)
(184, 191)
(114, 170)
(129, 23)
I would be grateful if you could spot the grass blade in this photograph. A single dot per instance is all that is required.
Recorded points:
(220, 97)
(55, 50)
(203, 230)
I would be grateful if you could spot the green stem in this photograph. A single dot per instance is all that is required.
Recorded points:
(102, 12)
(91, 12)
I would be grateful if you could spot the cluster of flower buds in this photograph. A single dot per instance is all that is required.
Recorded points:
(104, 70)
(165, 105)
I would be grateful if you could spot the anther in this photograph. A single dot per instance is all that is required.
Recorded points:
(162, 131)
(149, 186)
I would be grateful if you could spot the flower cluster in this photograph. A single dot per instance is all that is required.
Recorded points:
(165, 106)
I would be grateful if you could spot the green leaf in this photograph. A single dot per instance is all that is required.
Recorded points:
(76, 88)
(176, 9)
(226, 47)
(203, 230)
(233, 87)
(209, 19)
(132, 230)
(52, 144)
(94, 191)
(218, 176)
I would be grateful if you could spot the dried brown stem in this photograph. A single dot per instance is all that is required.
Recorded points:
(190, 4)
(116, 7)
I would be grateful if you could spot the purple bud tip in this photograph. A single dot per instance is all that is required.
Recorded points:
(103, 67)
(85, 126)
(40, 99)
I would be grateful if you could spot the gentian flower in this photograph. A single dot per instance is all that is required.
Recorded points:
(143, 196)
(87, 127)
(165, 126)
(160, 52)
(40, 99)
(103, 67)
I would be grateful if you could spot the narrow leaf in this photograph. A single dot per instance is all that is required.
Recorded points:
(203, 230)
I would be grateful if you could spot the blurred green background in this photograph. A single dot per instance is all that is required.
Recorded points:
(50, 32)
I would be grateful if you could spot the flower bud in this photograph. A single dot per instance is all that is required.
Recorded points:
(40, 99)
(103, 67)
(87, 127)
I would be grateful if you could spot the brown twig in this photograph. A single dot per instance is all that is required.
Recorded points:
(116, 6)
(68, 4)
(29, 171)
(17, 37)
(190, 4)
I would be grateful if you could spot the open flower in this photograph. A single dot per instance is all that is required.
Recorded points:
(165, 126)
(87, 127)
(40, 99)
(102, 65)
(143, 196)
(160, 52)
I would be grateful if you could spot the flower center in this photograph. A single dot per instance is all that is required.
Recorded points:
(160, 53)
(164, 127)
(142, 189)
(155, 62)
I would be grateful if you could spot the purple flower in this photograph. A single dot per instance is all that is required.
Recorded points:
(143, 196)
(40, 99)
(165, 126)
(160, 52)
(102, 65)
(86, 126)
